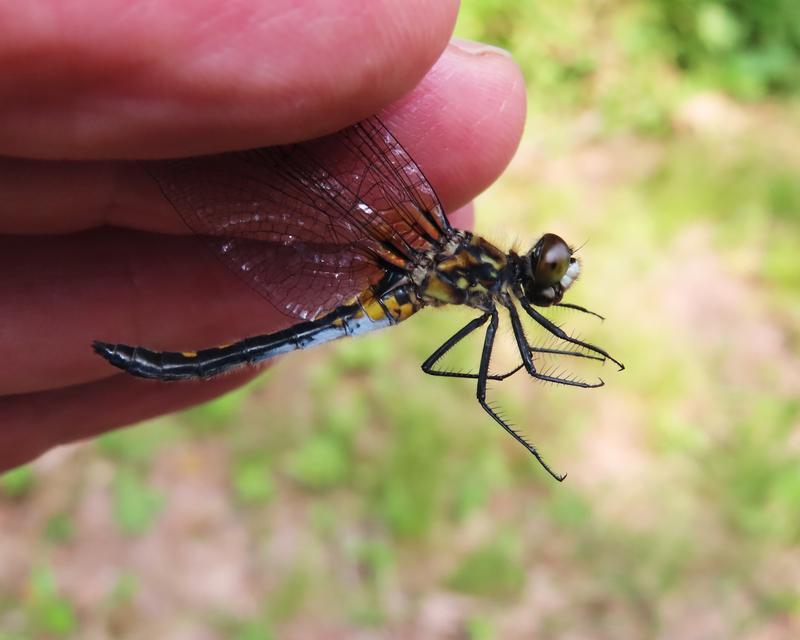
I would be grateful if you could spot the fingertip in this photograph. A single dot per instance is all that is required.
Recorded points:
(464, 217)
(464, 121)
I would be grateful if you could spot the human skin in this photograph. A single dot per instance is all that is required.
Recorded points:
(91, 250)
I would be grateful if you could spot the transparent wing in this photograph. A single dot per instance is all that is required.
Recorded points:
(309, 225)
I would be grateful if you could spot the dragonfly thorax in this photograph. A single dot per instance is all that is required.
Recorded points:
(469, 270)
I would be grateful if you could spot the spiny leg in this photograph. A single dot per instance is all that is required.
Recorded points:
(483, 377)
(568, 305)
(563, 335)
(563, 352)
(525, 351)
(459, 335)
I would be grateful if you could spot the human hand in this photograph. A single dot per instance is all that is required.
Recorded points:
(90, 249)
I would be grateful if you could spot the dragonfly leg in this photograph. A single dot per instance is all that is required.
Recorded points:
(452, 341)
(563, 335)
(564, 352)
(483, 377)
(576, 307)
(527, 361)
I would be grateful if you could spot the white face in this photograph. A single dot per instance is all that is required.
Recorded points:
(571, 275)
(566, 281)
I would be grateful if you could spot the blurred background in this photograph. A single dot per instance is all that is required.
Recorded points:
(346, 495)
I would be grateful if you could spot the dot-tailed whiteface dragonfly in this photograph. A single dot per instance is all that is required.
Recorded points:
(358, 240)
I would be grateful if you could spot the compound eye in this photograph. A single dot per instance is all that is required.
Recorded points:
(551, 260)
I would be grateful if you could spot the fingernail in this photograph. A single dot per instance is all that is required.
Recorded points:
(478, 48)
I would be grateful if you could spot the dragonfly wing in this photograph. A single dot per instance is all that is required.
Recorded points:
(310, 225)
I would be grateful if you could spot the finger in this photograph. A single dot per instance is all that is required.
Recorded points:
(98, 80)
(113, 285)
(165, 291)
(463, 218)
(33, 423)
(462, 124)
(168, 293)
(62, 292)
(464, 121)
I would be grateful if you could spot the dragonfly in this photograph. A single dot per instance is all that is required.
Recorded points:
(344, 235)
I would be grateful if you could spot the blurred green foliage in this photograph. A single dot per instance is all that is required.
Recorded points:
(136, 503)
(136, 447)
(479, 629)
(749, 48)
(124, 591)
(46, 610)
(495, 569)
(762, 482)
(17, 482)
(220, 412)
(751, 191)
(252, 480)
(320, 463)
(287, 600)
(60, 528)
(643, 55)
(253, 631)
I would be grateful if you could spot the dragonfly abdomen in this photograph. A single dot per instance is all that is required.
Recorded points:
(346, 320)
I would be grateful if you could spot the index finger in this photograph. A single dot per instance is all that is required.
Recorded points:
(461, 124)
(112, 79)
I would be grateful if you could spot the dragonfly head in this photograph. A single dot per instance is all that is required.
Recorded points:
(548, 270)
